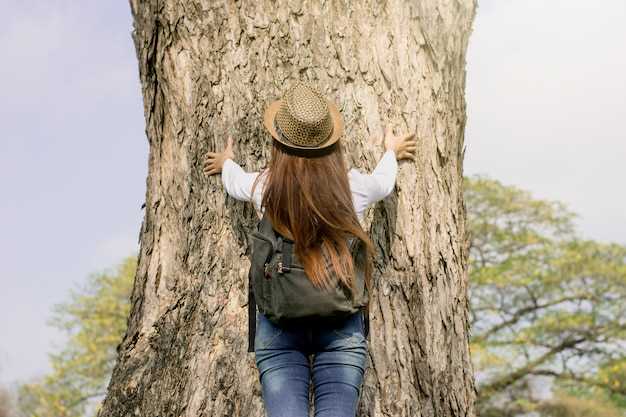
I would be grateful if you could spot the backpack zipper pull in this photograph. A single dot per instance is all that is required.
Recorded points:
(280, 263)
(281, 267)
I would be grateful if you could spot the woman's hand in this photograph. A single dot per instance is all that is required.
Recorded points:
(404, 146)
(215, 160)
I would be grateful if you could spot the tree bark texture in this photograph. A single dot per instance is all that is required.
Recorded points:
(207, 69)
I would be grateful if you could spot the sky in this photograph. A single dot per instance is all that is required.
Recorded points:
(546, 98)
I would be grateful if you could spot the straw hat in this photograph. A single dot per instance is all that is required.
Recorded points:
(303, 119)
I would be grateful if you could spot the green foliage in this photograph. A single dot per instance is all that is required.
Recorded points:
(94, 319)
(571, 406)
(613, 372)
(543, 300)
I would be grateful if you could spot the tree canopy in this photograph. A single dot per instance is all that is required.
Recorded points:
(94, 319)
(544, 301)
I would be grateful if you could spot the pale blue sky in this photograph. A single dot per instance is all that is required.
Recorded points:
(73, 162)
(546, 100)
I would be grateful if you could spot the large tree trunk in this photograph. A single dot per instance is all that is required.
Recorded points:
(208, 68)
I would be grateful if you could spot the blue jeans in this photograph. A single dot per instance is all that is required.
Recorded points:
(338, 352)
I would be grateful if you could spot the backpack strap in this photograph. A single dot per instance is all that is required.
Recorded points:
(366, 309)
(261, 225)
(366, 315)
(251, 314)
(283, 246)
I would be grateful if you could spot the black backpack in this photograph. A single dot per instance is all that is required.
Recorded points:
(279, 287)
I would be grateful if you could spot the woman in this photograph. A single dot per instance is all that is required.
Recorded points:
(315, 201)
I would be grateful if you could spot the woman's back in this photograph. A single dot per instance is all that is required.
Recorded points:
(366, 188)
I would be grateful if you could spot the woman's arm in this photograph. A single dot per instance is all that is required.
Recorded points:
(236, 181)
(381, 182)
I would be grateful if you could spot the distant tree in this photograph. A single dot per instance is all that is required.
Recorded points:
(543, 300)
(95, 320)
(571, 406)
(6, 404)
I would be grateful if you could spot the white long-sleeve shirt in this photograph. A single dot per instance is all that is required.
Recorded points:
(366, 188)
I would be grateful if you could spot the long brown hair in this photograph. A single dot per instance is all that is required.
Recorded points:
(308, 199)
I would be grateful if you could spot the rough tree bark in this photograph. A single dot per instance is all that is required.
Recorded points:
(208, 68)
